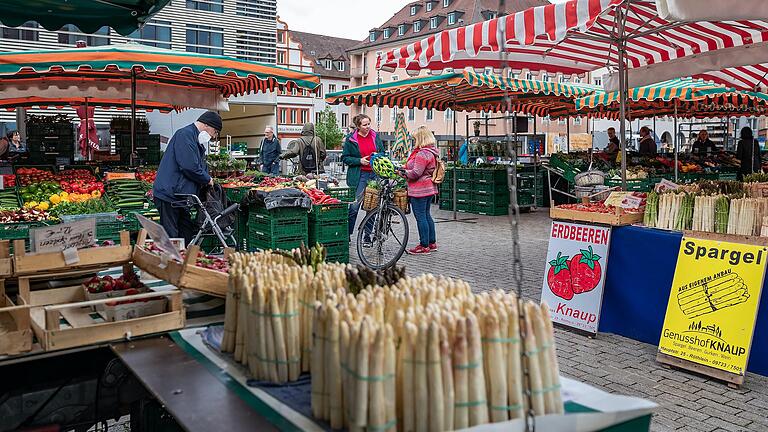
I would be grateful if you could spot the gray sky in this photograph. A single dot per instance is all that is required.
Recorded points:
(340, 18)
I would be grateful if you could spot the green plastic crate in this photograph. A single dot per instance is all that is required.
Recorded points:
(446, 204)
(490, 189)
(109, 230)
(463, 175)
(728, 176)
(263, 243)
(346, 195)
(492, 199)
(524, 199)
(465, 207)
(568, 171)
(491, 209)
(337, 247)
(463, 197)
(329, 212)
(634, 185)
(342, 257)
(236, 195)
(445, 187)
(328, 231)
(464, 188)
(17, 231)
(490, 176)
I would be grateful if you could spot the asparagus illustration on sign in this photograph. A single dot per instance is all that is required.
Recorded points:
(723, 291)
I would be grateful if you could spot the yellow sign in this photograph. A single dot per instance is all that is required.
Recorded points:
(121, 176)
(713, 303)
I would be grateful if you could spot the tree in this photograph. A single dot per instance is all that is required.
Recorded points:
(328, 129)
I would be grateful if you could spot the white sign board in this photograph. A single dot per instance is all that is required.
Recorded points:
(574, 276)
(62, 237)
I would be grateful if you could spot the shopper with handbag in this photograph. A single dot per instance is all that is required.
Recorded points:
(419, 170)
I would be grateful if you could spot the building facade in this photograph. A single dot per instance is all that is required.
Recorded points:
(244, 29)
(307, 52)
(419, 19)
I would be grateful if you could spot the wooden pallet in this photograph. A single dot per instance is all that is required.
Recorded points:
(89, 258)
(15, 324)
(61, 318)
(619, 218)
(152, 263)
(732, 380)
(203, 280)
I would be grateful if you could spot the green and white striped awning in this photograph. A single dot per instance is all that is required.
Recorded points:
(469, 91)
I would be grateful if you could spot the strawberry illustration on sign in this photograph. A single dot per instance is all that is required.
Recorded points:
(559, 277)
(585, 270)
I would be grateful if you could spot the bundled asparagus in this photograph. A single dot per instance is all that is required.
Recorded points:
(722, 205)
(651, 215)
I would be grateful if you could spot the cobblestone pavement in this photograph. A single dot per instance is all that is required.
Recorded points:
(480, 254)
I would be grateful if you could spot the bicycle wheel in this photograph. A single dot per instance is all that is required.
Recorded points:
(389, 237)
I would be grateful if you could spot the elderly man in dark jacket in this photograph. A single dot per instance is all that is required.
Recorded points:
(183, 170)
(270, 152)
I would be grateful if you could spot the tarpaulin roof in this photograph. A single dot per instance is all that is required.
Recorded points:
(468, 91)
(750, 77)
(171, 77)
(124, 16)
(579, 36)
(683, 89)
(44, 103)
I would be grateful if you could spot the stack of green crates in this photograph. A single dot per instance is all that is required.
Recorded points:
(484, 191)
(530, 186)
(490, 192)
(280, 228)
(328, 226)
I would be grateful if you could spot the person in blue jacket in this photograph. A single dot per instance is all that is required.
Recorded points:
(183, 171)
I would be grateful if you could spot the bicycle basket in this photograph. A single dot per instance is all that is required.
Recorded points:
(370, 199)
(401, 200)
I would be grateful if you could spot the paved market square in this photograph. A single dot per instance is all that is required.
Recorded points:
(480, 254)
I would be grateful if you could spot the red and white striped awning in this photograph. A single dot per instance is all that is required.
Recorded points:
(579, 36)
(752, 77)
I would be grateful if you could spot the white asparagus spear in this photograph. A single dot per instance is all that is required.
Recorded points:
(334, 367)
(447, 371)
(478, 411)
(407, 346)
(435, 379)
(534, 372)
(420, 380)
(293, 350)
(461, 376)
(318, 378)
(542, 339)
(230, 315)
(495, 362)
(514, 371)
(281, 356)
(390, 363)
(361, 385)
(377, 410)
(269, 358)
(343, 358)
(558, 399)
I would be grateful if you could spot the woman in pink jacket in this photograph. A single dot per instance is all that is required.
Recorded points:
(418, 173)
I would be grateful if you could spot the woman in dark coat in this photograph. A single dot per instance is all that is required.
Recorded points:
(748, 152)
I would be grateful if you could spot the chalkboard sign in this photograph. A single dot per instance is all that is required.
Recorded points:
(61, 237)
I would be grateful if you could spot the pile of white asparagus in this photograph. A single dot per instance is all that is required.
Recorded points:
(745, 216)
(269, 328)
(438, 356)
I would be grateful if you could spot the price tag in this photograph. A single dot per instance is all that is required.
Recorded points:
(71, 256)
(615, 199)
(146, 205)
(665, 184)
(120, 176)
(58, 238)
(631, 202)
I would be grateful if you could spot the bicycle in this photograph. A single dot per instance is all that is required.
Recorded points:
(388, 230)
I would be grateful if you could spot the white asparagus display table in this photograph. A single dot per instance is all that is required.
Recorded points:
(587, 408)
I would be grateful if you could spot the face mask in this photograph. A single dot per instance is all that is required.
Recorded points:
(203, 137)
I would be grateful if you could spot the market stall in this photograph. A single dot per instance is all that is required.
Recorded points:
(470, 91)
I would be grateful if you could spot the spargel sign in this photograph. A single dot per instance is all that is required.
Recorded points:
(574, 276)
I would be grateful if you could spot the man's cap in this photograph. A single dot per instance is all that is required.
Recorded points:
(212, 119)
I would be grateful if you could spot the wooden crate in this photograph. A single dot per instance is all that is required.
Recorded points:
(6, 262)
(203, 280)
(83, 326)
(15, 322)
(152, 263)
(619, 218)
(90, 258)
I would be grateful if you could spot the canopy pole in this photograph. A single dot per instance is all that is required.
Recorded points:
(87, 135)
(133, 114)
(568, 135)
(456, 164)
(620, 48)
(677, 144)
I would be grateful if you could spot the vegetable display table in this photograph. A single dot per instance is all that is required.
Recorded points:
(288, 407)
(638, 282)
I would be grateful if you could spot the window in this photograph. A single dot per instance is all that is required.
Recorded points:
(256, 46)
(378, 115)
(293, 116)
(411, 114)
(318, 117)
(293, 91)
(281, 37)
(344, 87)
(340, 65)
(395, 77)
(546, 120)
(387, 33)
(21, 32)
(446, 3)
(401, 29)
(281, 57)
(206, 5)
(528, 76)
(561, 121)
(393, 115)
(561, 79)
(344, 120)
(577, 121)
(448, 114)
(433, 22)
(430, 115)
(429, 6)
(544, 77)
(413, 10)
(416, 26)
(283, 115)
(452, 18)
(598, 81)
(266, 10)
(331, 88)
(492, 15)
(319, 91)
(304, 116)
(205, 40)
(70, 34)
(155, 33)
(328, 63)
(372, 37)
